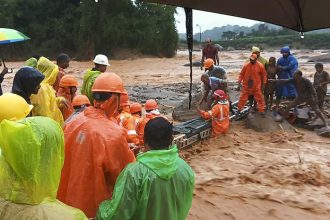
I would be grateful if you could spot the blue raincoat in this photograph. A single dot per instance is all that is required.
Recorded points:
(289, 66)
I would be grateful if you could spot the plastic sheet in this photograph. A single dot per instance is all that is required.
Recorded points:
(32, 154)
(45, 102)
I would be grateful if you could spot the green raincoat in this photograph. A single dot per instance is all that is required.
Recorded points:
(88, 83)
(31, 159)
(32, 62)
(159, 186)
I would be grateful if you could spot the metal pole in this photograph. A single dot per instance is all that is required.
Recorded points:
(189, 34)
(200, 32)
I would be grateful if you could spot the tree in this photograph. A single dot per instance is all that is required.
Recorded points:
(263, 29)
(241, 34)
(229, 35)
(84, 28)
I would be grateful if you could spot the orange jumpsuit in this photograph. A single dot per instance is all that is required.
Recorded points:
(137, 120)
(96, 151)
(125, 120)
(66, 111)
(220, 117)
(252, 76)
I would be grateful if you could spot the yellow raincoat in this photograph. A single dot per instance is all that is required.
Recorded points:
(31, 159)
(45, 102)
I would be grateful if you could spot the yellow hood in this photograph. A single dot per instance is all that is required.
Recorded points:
(49, 69)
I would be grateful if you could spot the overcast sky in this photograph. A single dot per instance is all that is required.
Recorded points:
(208, 20)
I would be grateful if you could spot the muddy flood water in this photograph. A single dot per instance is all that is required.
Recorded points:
(244, 175)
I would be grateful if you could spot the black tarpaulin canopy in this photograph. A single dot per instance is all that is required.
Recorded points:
(298, 15)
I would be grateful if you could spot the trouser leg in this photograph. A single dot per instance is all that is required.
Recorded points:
(260, 100)
(315, 107)
(243, 99)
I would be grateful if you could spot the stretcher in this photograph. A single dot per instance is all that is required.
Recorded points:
(198, 129)
(192, 131)
(236, 114)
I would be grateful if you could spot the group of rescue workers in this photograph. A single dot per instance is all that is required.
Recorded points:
(98, 155)
(69, 156)
(259, 80)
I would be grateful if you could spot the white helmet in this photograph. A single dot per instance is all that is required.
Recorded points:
(101, 59)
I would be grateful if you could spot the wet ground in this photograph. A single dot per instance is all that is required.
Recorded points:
(249, 175)
(168, 95)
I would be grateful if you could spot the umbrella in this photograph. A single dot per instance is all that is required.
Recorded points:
(298, 15)
(8, 36)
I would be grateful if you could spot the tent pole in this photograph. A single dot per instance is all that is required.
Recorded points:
(189, 34)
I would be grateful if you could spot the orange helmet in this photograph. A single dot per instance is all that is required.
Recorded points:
(108, 82)
(208, 63)
(219, 94)
(124, 99)
(79, 100)
(135, 108)
(151, 104)
(68, 80)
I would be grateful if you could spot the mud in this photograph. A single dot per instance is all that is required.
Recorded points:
(324, 58)
(267, 123)
(182, 112)
(196, 63)
(251, 175)
(166, 95)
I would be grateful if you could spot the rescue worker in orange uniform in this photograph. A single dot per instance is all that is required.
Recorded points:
(253, 77)
(152, 111)
(67, 89)
(96, 150)
(136, 111)
(125, 119)
(79, 103)
(219, 114)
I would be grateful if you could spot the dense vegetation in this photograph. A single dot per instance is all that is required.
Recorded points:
(264, 36)
(311, 41)
(83, 28)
